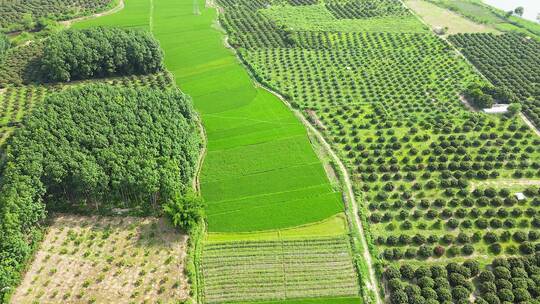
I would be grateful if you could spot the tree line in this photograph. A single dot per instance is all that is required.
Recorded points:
(97, 147)
(4, 45)
(100, 52)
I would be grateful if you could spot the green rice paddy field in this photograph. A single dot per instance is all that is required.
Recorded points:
(260, 171)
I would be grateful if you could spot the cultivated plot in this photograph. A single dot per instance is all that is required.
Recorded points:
(305, 262)
(106, 260)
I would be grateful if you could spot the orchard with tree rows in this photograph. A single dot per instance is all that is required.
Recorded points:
(389, 103)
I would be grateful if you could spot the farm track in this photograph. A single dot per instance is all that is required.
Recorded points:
(529, 123)
(349, 197)
(202, 155)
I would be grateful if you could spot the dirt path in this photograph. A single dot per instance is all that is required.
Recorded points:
(113, 10)
(529, 123)
(350, 198)
(467, 104)
(506, 183)
(151, 18)
(202, 155)
(315, 119)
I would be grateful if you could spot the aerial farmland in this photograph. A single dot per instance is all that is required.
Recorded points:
(269, 152)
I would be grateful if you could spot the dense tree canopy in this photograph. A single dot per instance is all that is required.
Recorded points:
(94, 147)
(99, 52)
(4, 45)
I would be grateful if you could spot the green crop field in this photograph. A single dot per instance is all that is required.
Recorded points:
(392, 105)
(272, 187)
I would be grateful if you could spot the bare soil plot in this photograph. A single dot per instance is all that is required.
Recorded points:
(107, 260)
(436, 16)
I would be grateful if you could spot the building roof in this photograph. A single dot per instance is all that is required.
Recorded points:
(497, 109)
(520, 196)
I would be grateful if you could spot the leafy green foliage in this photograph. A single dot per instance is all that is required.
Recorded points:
(94, 147)
(99, 52)
(185, 211)
(21, 65)
(478, 96)
(105, 145)
(435, 284)
(513, 280)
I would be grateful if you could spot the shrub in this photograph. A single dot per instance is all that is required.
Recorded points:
(521, 295)
(460, 292)
(184, 211)
(392, 273)
(399, 297)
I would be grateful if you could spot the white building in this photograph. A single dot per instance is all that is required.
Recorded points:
(497, 109)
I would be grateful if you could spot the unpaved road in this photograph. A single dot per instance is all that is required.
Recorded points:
(505, 183)
(349, 197)
(202, 155)
(529, 123)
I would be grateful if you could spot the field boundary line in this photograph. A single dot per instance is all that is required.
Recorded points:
(202, 156)
(151, 16)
